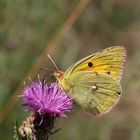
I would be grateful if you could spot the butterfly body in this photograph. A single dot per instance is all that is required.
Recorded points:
(93, 82)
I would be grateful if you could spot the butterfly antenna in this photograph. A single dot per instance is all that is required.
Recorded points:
(53, 62)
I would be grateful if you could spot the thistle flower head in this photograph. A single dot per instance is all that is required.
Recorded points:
(47, 98)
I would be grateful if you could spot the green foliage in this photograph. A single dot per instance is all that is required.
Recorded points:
(16, 133)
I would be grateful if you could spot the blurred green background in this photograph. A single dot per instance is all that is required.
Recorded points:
(27, 27)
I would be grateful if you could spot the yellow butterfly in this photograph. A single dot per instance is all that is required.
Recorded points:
(93, 82)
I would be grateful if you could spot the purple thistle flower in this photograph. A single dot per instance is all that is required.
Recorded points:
(47, 99)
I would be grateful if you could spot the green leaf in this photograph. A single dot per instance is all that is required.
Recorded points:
(16, 133)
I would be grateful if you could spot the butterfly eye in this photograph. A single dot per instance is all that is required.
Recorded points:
(57, 74)
(90, 64)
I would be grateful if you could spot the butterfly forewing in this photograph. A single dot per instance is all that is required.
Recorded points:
(109, 61)
(95, 93)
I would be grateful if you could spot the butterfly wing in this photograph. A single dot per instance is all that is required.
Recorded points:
(109, 61)
(95, 93)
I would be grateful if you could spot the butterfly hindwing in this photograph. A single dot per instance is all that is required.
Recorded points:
(95, 93)
(110, 61)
